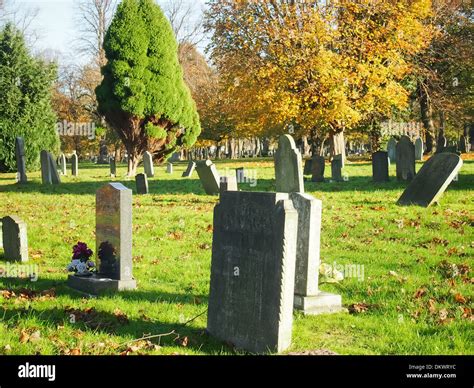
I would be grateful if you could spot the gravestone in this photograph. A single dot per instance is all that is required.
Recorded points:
(308, 298)
(148, 164)
(15, 239)
(419, 149)
(62, 165)
(318, 168)
(432, 180)
(441, 144)
(463, 145)
(20, 160)
(253, 271)
(113, 243)
(209, 177)
(288, 167)
(189, 170)
(169, 168)
(228, 183)
(75, 165)
(55, 178)
(406, 165)
(308, 167)
(380, 165)
(113, 167)
(45, 168)
(336, 168)
(392, 150)
(141, 181)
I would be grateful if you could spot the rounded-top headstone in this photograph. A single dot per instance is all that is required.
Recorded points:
(288, 167)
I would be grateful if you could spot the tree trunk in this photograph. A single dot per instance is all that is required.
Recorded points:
(375, 135)
(426, 111)
(133, 161)
(337, 144)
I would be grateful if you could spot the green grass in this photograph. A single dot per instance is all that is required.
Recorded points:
(400, 248)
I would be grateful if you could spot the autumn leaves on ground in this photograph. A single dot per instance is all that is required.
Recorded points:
(413, 295)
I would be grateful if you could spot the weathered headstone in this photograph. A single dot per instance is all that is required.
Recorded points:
(141, 181)
(62, 165)
(406, 165)
(308, 167)
(148, 164)
(20, 160)
(441, 144)
(15, 239)
(432, 180)
(113, 243)
(392, 150)
(228, 183)
(209, 177)
(45, 168)
(55, 178)
(253, 271)
(189, 170)
(169, 168)
(75, 165)
(463, 144)
(336, 168)
(308, 297)
(380, 165)
(113, 167)
(288, 167)
(419, 149)
(318, 168)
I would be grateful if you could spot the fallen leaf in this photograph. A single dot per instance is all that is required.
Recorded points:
(460, 299)
(358, 308)
(419, 293)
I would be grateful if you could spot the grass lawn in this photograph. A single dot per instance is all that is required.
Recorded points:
(415, 297)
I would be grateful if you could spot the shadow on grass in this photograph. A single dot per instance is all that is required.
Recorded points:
(77, 316)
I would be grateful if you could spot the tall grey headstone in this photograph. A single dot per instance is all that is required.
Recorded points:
(380, 167)
(113, 243)
(45, 168)
(318, 168)
(288, 167)
(55, 178)
(142, 184)
(336, 168)
(169, 168)
(392, 150)
(189, 170)
(253, 271)
(432, 180)
(148, 164)
(308, 297)
(15, 239)
(113, 167)
(75, 165)
(62, 165)
(20, 160)
(419, 149)
(406, 164)
(209, 177)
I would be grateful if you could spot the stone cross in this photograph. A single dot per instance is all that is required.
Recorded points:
(288, 167)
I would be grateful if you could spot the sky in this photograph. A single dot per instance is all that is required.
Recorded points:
(56, 27)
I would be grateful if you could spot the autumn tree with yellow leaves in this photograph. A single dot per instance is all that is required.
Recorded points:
(322, 69)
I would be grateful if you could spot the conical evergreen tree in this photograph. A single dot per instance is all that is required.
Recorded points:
(25, 102)
(143, 95)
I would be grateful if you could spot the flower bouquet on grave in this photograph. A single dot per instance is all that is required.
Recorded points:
(81, 264)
